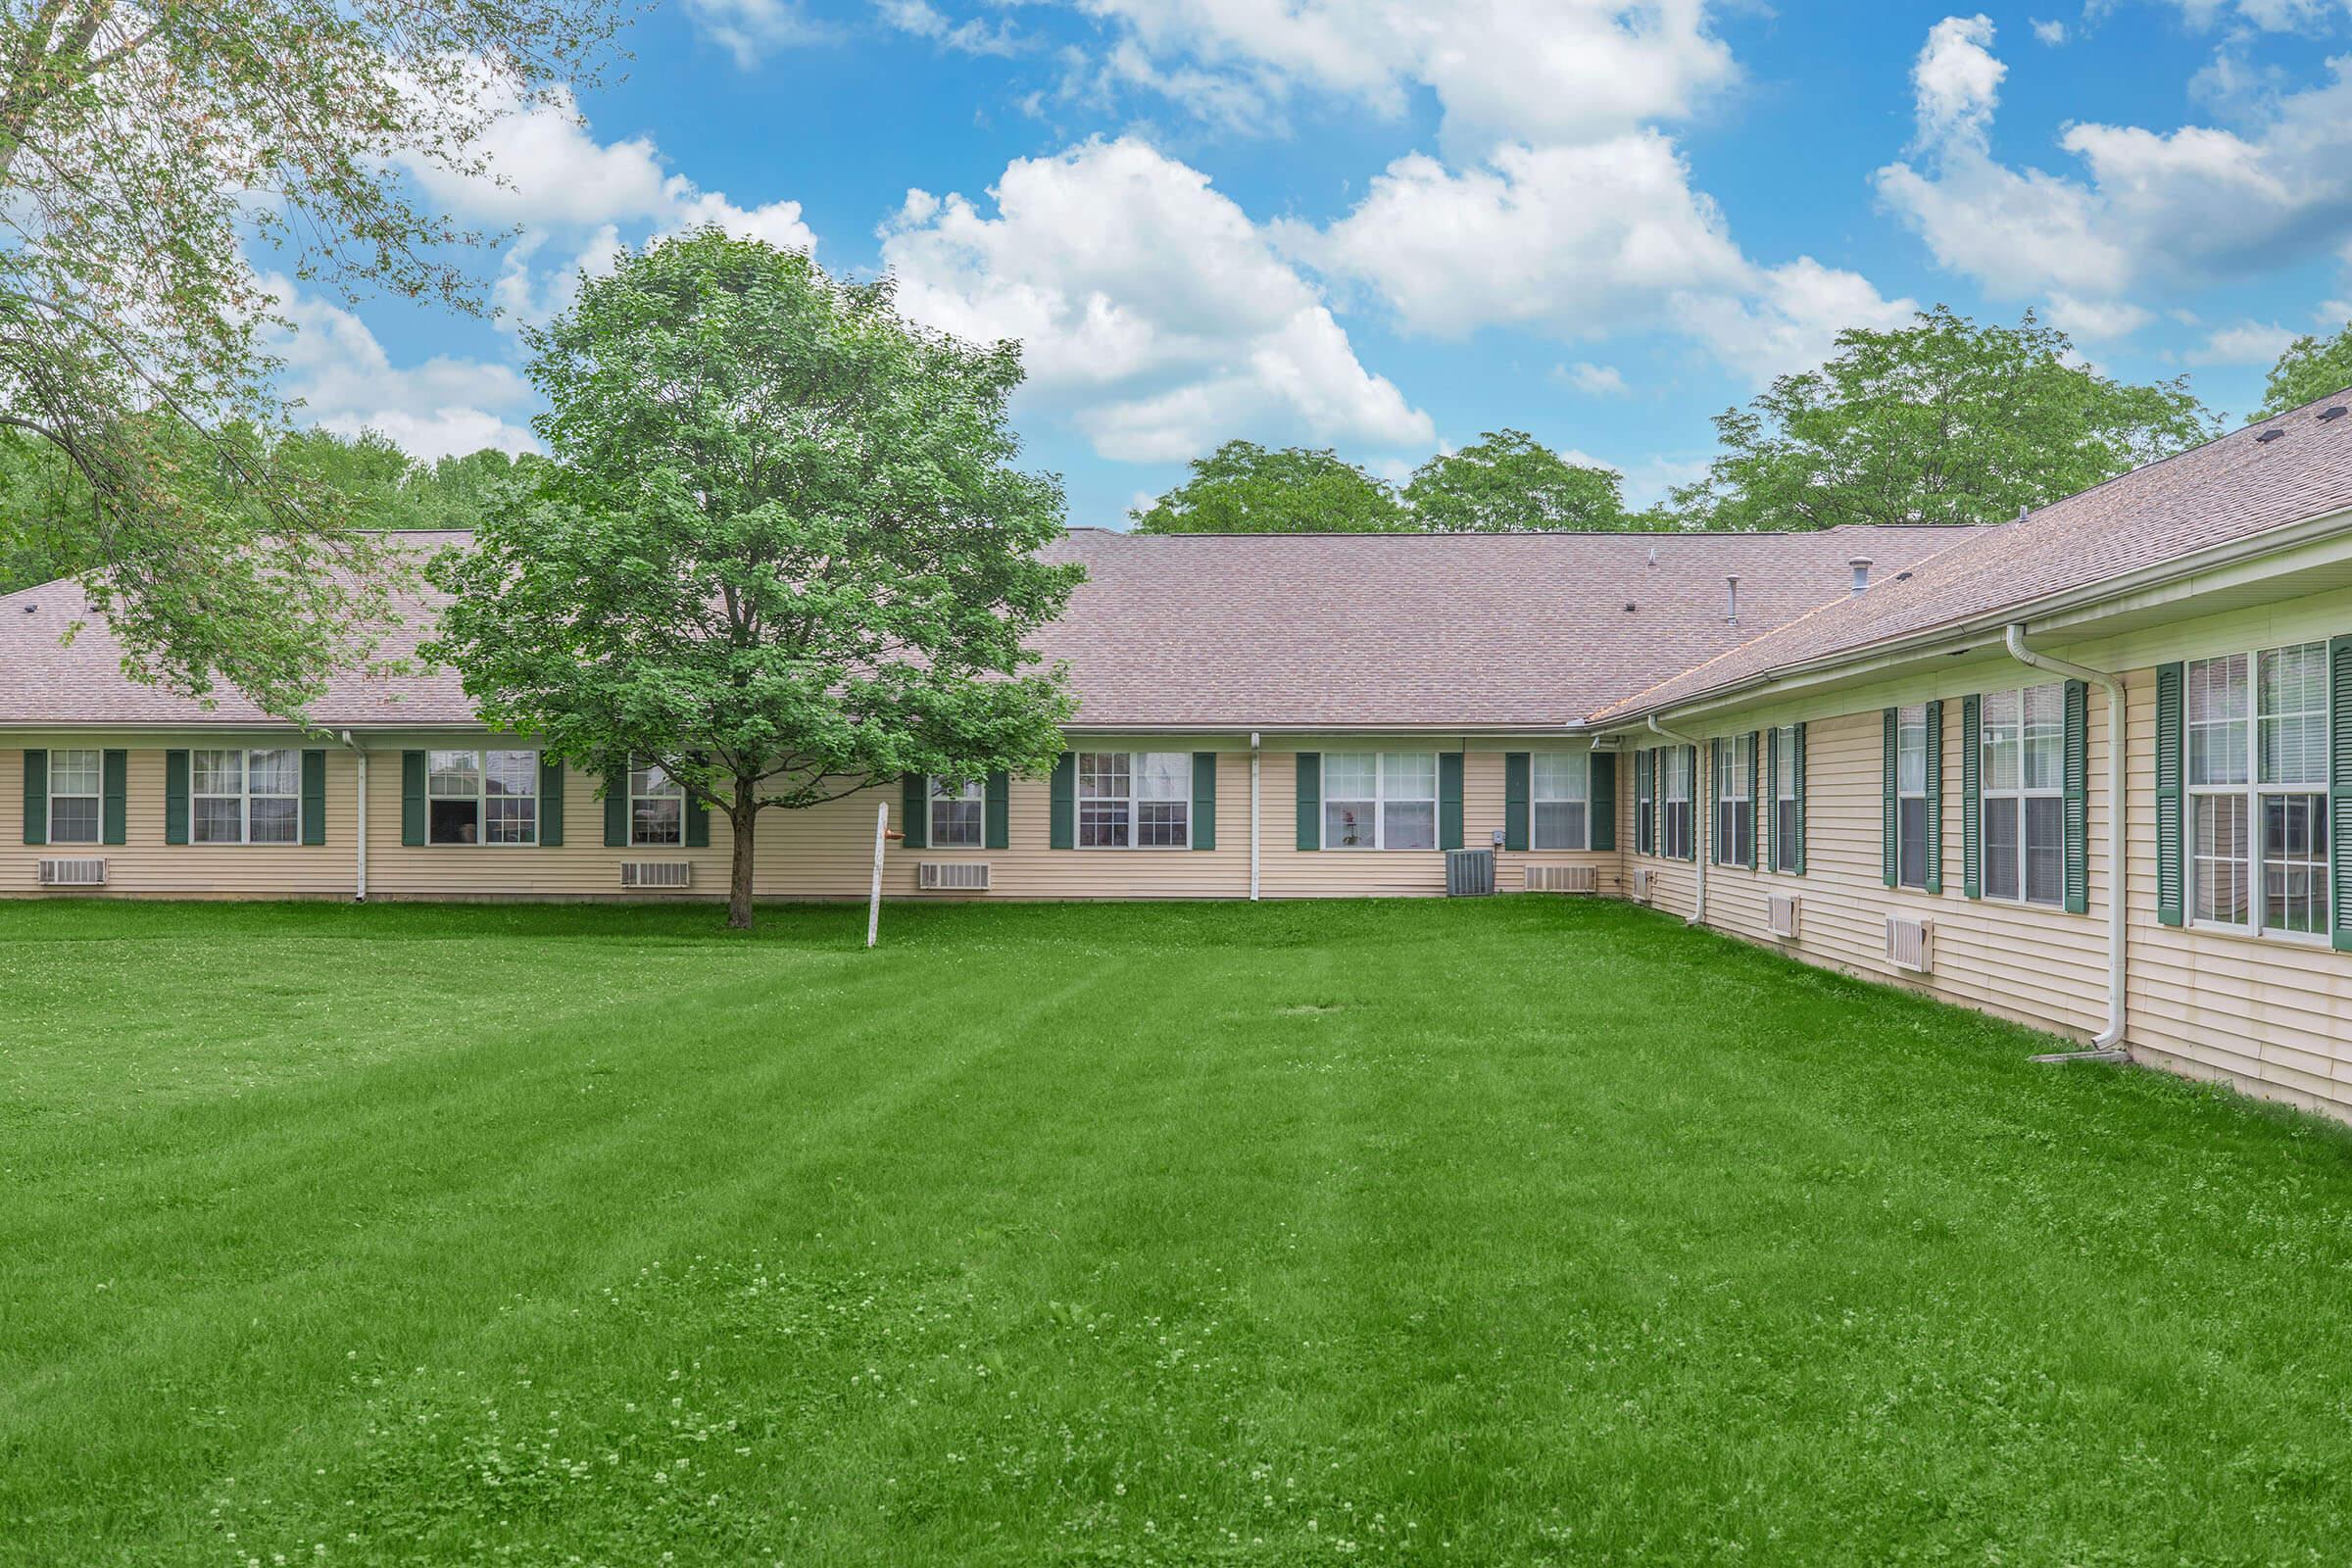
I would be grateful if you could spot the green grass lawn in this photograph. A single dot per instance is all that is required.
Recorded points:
(1519, 1231)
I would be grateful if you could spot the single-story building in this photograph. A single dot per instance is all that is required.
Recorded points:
(1902, 752)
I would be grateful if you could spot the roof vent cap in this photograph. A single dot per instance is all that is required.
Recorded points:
(2268, 436)
(1861, 566)
(2335, 412)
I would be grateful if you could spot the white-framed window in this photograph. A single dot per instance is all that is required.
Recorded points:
(481, 797)
(1785, 836)
(76, 786)
(1674, 794)
(958, 814)
(1380, 800)
(657, 807)
(1646, 804)
(1911, 797)
(1559, 792)
(1734, 799)
(241, 797)
(1135, 800)
(2257, 732)
(2022, 788)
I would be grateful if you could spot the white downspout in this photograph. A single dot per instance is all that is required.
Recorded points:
(359, 870)
(1254, 757)
(2108, 1046)
(1698, 910)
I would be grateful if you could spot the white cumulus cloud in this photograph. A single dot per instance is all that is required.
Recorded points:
(347, 384)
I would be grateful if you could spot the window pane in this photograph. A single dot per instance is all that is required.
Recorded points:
(511, 773)
(2001, 865)
(454, 821)
(1783, 836)
(1163, 776)
(955, 823)
(2045, 738)
(217, 819)
(2046, 850)
(652, 781)
(215, 772)
(1911, 750)
(2294, 863)
(661, 819)
(1736, 755)
(2219, 856)
(1409, 825)
(1350, 775)
(2294, 716)
(1348, 824)
(1103, 824)
(1784, 775)
(74, 820)
(1410, 775)
(1556, 777)
(275, 820)
(2216, 705)
(510, 819)
(1162, 824)
(1559, 825)
(1911, 860)
(1102, 776)
(453, 773)
(275, 772)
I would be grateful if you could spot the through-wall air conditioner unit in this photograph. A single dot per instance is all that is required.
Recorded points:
(1562, 879)
(952, 876)
(1911, 945)
(1780, 915)
(89, 872)
(1645, 884)
(657, 873)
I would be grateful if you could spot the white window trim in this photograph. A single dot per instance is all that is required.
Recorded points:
(937, 791)
(636, 842)
(1135, 804)
(1783, 750)
(1927, 855)
(2251, 792)
(1534, 798)
(2021, 794)
(482, 799)
(1380, 805)
(97, 798)
(245, 799)
(1731, 789)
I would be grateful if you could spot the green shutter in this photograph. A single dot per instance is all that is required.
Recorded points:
(698, 823)
(1755, 806)
(914, 811)
(1449, 799)
(2171, 900)
(1517, 770)
(114, 776)
(1971, 797)
(2340, 788)
(412, 798)
(314, 796)
(1204, 800)
(1601, 814)
(1063, 828)
(175, 796)
(998, 830)
(550, 802)
(36, 796)
(616, 810)
(1801, 800)
(1310, 800)
(2078, 797)
(1936, 797)
(1887, 804)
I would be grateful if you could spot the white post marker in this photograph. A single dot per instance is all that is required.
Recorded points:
(873, 903)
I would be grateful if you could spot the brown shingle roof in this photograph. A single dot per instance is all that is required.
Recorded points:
(1211, 631)
(2222, 493)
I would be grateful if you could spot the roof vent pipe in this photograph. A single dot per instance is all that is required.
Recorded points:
(1861, 566)
(1732, 579)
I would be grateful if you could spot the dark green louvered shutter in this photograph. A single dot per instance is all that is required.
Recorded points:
(36, 796)
(1204, 800)
(1755, 806)
(175, 796)
(998, 833)
(550, 802)
(1971, 797)
(113, 791)
(1935, 797)
(914, 811)
(1602, 811)
(2078, 797)
(1517, 767)
(2340, 788)
(1886, 802)
(1798, 737)
(698, 824)
(616, 810)
(1310, 800)
(1062, 828)
(314, 796)
(2171, 902)
(1449, 799)
(412, 798)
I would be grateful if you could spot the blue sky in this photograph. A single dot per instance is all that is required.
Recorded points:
(1388, 226)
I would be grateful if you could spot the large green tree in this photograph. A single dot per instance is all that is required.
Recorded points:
(1942, 422)
(1509, 482)
(781, 551)
(2311, 368)
(1242, 487)
(149, 149)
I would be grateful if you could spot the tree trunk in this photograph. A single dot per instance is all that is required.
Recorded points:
(740, 818)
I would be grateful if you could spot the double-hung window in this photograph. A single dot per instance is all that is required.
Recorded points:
(2257, 730)
(1380, 801)
(1785, 835)
(1674, 819)
(657, 807)
(76, 783)
(1734, 799)
(1911, 797)
(1646, 804)
(1558, 788)
(239, 797)
(2023, 773)
(483, 796)
(956, 814)
(1126, 799)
